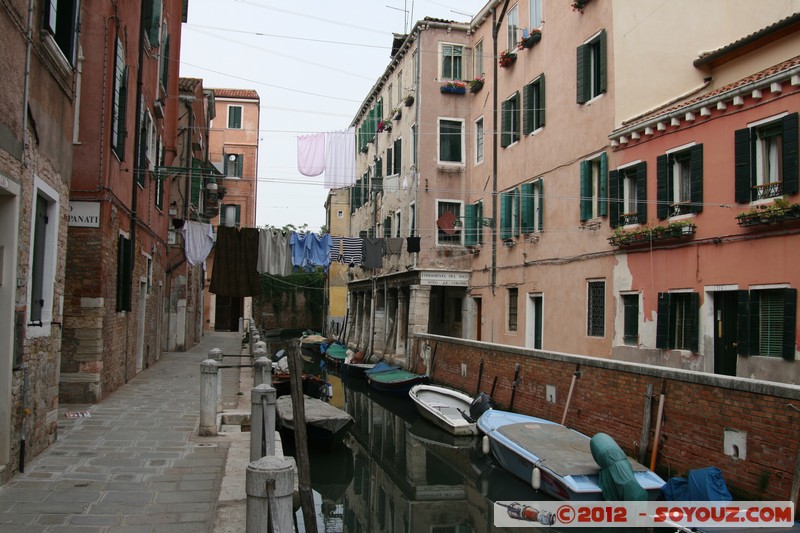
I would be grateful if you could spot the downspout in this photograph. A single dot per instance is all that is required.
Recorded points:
(415, 142)
(495, 30)
(27, 82)
(136, 161)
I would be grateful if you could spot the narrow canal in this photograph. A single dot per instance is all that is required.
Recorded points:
(396, 472)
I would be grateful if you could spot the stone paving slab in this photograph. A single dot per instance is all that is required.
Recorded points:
(136, 464)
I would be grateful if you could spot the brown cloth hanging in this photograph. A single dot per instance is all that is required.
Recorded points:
(235, 261)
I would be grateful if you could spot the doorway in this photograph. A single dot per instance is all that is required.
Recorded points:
(478, 318)
(227, 313)
(533, 327)
(725, 310)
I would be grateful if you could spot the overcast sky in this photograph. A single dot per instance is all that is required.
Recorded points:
(312, 63)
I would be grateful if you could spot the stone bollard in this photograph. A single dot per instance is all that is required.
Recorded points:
(216, 355)
(269, 475)
(262, 427)
(262, 373)
(209, 372)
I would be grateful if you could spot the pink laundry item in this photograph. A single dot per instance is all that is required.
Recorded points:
(311, 154)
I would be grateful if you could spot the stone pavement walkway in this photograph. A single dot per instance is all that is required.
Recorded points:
(135, 464)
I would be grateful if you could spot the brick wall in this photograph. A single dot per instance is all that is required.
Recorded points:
(609, 396)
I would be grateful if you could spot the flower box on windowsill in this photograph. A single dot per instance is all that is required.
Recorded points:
(409, 100)
(622, 238)
(507, 59)
(772, 214)
(453, 90)
(475, 86)
(530, 40)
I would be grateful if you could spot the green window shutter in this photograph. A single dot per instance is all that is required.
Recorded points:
(380, 109)
(662, 188)
(165, 62)
(515, 118)
(515, 224)
(124, 273)
(697, 178)
(613, 198)
(526, 207)
(389, 161)
(505, 215)
(743, 323)
(603, 200)
(479, 220)
(742, 166)
(790, 170)
(755, 322)
(663, 322)
(602, 43)
(641, 192)
(789, 320)
(584, 65)
(470, 225)
(586, 190)
(239, 164)
(505, 124)
(540, 183)
(539, 112)
(238, 216)
(387, 227)
(379, 167)
(693, 319)
(398, 156)
(528, 110)
(123, 113)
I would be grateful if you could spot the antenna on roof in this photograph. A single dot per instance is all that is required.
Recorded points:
(405, 16)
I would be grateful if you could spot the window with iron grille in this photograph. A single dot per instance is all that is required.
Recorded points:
(513, 297)
(449, 235)
(596, 309)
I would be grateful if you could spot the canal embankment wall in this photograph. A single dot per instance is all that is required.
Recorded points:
(749, 429)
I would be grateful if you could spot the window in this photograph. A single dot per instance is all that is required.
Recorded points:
(233, 165)
(387, 227)
(536, 13)
(596, 309)
(479, 59)
(509, 133)
(592, 68)
(513, 297)
(679, 182)
(159, 199)
(766, 159)
(452, 62)
(628, 195)
(398, 156)
(509, 214)
(61, 21)
(533, 113)
(229, 215)
(479, 146)
(120, 102)
(448, 229)
(677, 324)
(532, 206)
(766, 322)
(593, 187)
(412, 220)
(165, 61)
(473, 224)
(152, 20)
(39, 284)
(513, 27)
(451, 141)
(630, 319)
(234, 117)
(152, 141)
(124, 273)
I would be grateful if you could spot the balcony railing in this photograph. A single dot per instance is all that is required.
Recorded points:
(768, 190)
(677, 230)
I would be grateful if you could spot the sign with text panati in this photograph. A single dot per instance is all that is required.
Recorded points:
(452, 279)
(84, 214)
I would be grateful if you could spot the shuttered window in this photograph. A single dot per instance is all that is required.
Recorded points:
(628, 195)
(594, 187)
(592, 68)
(766, 323)
(678, 321)
(766, 160)
(120, 102)
(509, 123)
(534, 106)
(679, 182)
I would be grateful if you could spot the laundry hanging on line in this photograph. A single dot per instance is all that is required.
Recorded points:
(331, 153)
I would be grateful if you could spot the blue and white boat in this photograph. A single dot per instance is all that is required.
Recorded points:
(551, 457)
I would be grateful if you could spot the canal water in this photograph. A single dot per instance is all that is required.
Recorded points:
(396, 472)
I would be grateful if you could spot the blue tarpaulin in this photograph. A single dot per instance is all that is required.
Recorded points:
(703, 484)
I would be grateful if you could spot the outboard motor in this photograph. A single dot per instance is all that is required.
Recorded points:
(480, 404)
(617, 480)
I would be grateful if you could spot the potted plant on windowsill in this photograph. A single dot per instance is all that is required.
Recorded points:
(578, 5)
(454, 87)
(476, 84)
(384, 126)
(674, 230)
(409, 100)
(397, 113)
(507, 59)
(529, 39)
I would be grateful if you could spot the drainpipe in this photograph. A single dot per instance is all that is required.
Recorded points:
(27, 82)
(495, 30)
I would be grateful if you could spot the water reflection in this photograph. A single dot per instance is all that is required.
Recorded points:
(395, 472)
